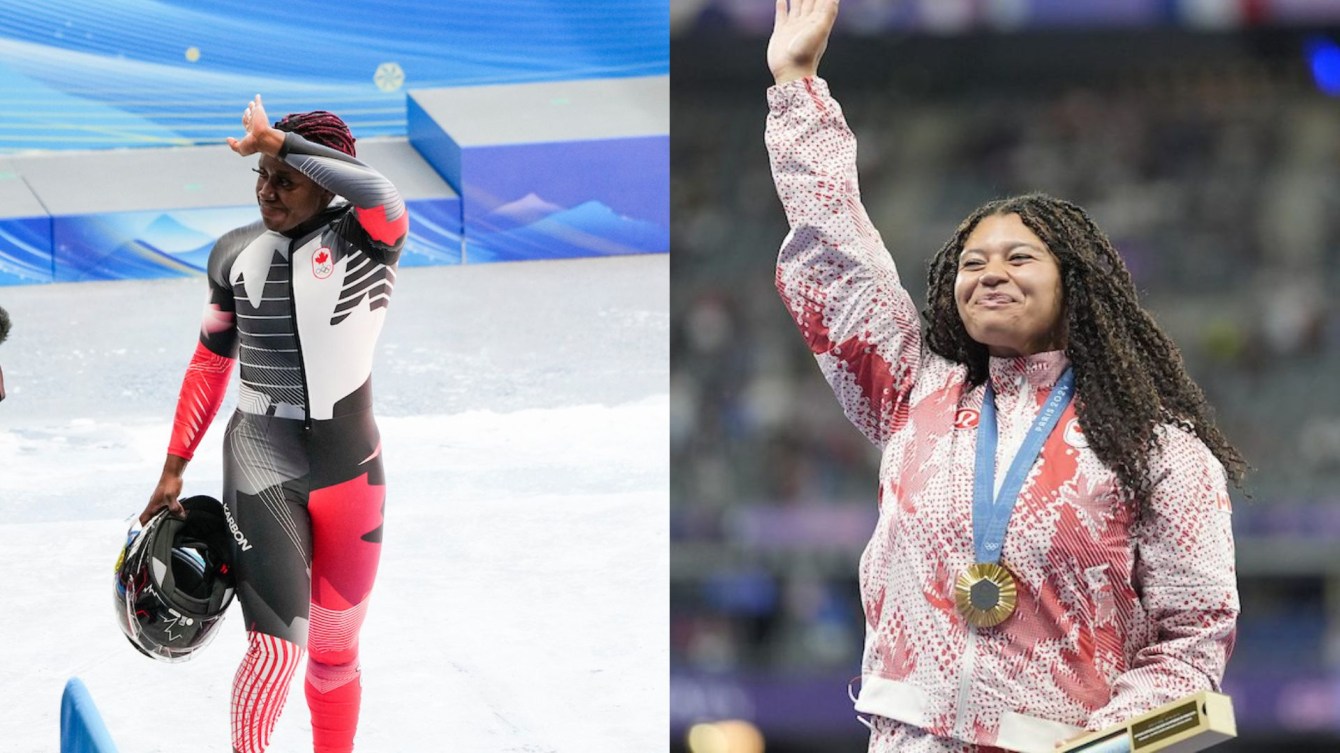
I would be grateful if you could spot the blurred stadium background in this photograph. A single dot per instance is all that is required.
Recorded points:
(1204, 137)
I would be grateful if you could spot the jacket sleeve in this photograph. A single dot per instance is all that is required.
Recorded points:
(836, 278)
(382, 217)
(1186, 579)
(206, 380)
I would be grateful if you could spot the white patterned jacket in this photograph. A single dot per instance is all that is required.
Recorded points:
(1122, 607)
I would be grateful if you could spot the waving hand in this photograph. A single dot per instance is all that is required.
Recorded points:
(799, 37)
(260, 137)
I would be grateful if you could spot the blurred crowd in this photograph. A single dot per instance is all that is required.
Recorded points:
(1219, 182)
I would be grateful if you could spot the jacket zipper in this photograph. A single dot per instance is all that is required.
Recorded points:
(297, 341)
(961, 715)
(962, 729)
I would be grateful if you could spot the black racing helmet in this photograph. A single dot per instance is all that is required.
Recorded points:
(174, 581)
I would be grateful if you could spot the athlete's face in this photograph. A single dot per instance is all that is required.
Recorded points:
(287, 197)
(1008, 289)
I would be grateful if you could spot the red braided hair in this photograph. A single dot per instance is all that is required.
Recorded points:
(320, 127)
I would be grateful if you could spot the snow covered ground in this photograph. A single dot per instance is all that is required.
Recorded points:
(522, 602)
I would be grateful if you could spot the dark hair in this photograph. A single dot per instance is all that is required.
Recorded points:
(4, 325)
(320, 127)
(1129, 376)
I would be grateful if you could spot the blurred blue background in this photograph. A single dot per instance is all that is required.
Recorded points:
(1203, 136)
(85, 84)
(83, 74)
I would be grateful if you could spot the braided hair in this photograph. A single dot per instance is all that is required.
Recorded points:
(1129, 376)
(320, 127)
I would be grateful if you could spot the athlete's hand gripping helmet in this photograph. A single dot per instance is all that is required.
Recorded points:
(174, 581)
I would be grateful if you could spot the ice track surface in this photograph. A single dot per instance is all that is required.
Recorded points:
(522, 602)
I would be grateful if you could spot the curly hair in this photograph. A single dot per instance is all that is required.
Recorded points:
(321, 127)
(1129, 376)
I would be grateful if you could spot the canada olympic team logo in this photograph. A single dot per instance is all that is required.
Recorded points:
(1074, 436)
(322, 263)
(966, 418)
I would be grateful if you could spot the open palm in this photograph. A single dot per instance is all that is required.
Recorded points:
(257, 127)
(799, 37)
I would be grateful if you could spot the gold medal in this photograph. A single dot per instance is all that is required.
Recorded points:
(985, 594)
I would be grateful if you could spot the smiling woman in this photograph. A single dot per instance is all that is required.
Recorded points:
(1065, 288)
(1008, 289)
(1053, 551)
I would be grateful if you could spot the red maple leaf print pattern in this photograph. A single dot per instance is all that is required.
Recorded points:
(1123, 605)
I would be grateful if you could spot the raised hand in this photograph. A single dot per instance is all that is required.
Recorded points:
(799, 37)
(260, 137)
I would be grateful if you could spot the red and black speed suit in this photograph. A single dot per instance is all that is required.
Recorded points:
(300, 311)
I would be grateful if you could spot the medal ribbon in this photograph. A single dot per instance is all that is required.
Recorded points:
(990, 517)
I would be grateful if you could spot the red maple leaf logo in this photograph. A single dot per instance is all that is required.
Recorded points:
(322, 257)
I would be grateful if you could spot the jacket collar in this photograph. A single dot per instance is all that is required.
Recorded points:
(1041, 370)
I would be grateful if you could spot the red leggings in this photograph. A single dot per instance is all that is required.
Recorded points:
(282, 529)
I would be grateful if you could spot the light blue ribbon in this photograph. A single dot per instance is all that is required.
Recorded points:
(991, 516)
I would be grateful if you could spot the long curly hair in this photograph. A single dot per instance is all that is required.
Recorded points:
(1129, 376)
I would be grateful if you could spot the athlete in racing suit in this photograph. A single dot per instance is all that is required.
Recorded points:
(298, 299)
